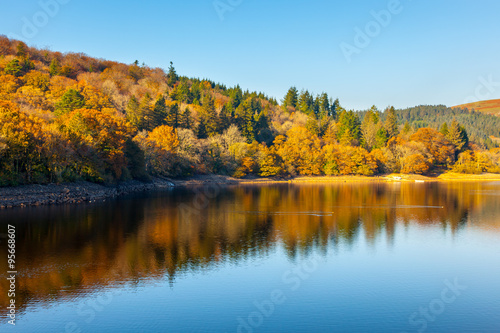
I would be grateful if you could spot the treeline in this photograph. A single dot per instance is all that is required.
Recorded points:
(67, 117)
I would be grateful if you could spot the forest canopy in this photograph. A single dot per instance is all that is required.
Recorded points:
(69, 117)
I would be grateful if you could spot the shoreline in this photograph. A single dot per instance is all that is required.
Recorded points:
(79, 192)
(73, 193)
(446, 177)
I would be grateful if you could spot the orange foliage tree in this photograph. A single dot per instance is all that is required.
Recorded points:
(99, 140)
(301, 152)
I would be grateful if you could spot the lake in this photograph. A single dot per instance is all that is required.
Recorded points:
(341, 257)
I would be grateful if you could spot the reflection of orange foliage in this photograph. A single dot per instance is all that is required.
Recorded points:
(182, 232)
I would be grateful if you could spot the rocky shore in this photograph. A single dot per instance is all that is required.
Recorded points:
(52, 194)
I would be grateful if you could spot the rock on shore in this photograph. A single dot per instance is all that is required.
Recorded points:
(37, 195)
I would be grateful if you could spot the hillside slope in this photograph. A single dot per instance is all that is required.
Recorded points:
(491, 106)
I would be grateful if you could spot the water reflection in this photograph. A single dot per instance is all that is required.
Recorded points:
(69, 250)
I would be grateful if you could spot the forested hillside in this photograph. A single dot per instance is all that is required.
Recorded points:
(479, 126)
(68, 117)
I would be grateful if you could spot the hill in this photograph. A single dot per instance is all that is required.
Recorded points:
(482, 128)
(491, 106)
(70, 117)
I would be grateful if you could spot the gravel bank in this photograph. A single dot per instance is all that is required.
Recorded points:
(52, 194)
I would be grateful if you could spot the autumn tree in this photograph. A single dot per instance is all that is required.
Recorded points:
(440, 148)
(301, 152)
(348, 160)
(100, 142)
(270, 162)
(369, 128)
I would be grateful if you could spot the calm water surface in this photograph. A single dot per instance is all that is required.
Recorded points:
(400, 257)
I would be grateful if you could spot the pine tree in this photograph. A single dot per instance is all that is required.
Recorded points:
(21, 50)
(291, 98)
(225, 117)
(349, 128)
(324, 105)
(159, 113)
(335, 108)
(201, 130)
(145, 111)
(245, 119)
(391, 122)
(185, 119)
(71, 100)
(236, 96)
(14, 68)
(172, 118)
(262, 130)
(306, 103)
(132, 112)
(381, 138)
(316, 107)
(210, 117)
(55, 67)
(444, 129)
(172, 77)
(457, 135)
(407, 128)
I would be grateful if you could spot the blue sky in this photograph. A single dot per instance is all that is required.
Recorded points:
(428, 52)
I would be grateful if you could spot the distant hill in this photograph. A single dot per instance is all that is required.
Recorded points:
(483, 128)
(491, 106)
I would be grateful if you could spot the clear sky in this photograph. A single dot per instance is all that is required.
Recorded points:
(426, 52)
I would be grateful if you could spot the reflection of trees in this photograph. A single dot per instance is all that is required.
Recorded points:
(68, 250)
